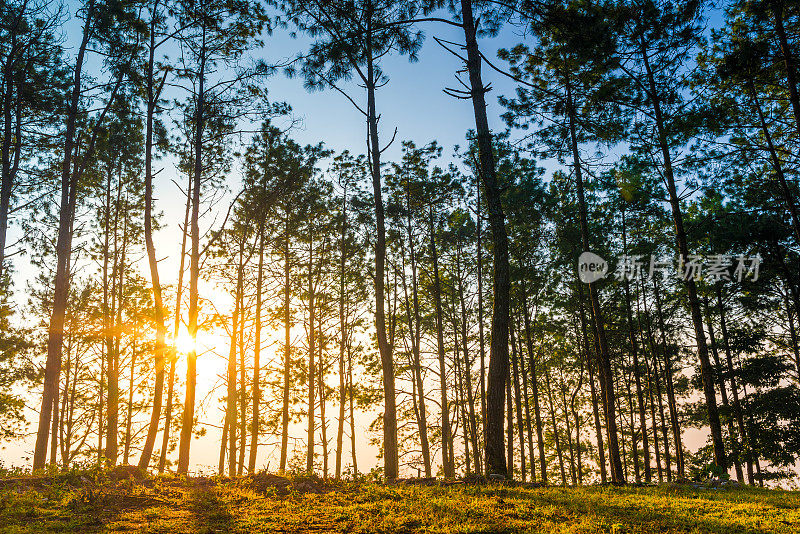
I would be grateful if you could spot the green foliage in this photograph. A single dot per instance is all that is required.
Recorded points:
(17, 370)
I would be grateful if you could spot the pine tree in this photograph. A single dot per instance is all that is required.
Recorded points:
(351, 38)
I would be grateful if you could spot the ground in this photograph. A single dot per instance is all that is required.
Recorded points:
(88, 503)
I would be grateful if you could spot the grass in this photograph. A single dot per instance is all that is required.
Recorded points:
(72, 503)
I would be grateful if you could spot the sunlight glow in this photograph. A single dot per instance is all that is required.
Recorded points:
(207, 341)
(185, 343)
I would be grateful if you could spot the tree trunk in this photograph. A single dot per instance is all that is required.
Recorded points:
(498, 355)
(788, 60)
(153, 95)
(518, 405)
(604, 364)
(242, 396)
(54, 429)
(793, 341)
(64, 406)
(473, 427)
(223, 445)
(287, 347)
(657, 381)
(351, 395)
(556, 436)
(342, 335)
(653, 422)
(101, 396)
(683, 250)
(634, 435)
(415, 330)
(162, 460)
(447, 460)
(230, 409)
(256, 420)
(311, 354)
(187, 422)
(671, 402)
(509, 427)
(69, 187)
(412, 359)
(582, 358)
(112, 402)
(460, 402)
(737, 407)
(11, 78)
(622, 443)
(568, 429)
(636, 366)
(7, 179)
(775, 160)
(601, 453)
(129, 412)
(390, 455)
(108, 296)
(525, 399)
(534, 386)
(479, 266)
(724, 395)
(577, 420)
(323, 423)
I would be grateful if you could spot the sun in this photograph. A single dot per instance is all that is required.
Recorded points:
(206, 341)
(184, 343)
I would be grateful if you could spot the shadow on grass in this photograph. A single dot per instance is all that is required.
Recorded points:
(211, 514)
(679, 511)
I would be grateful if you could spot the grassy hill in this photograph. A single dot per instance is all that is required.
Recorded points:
(80, 502)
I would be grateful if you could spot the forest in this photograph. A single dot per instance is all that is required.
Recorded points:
(600, 284)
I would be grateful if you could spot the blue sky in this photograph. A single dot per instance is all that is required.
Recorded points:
(412, 102)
